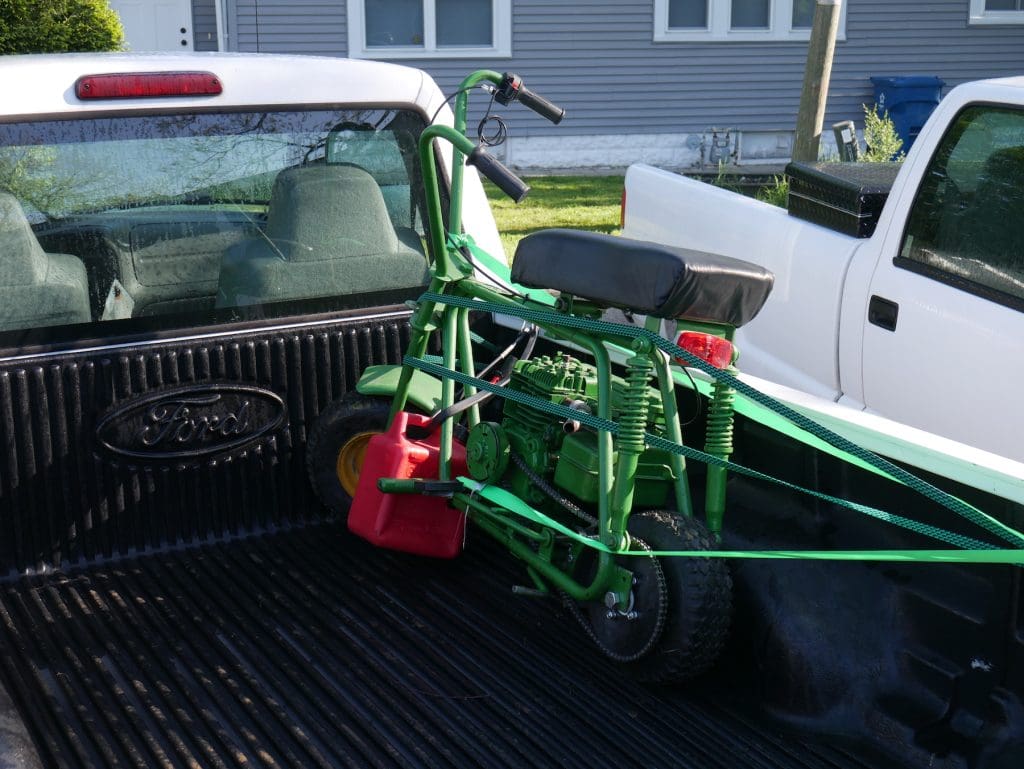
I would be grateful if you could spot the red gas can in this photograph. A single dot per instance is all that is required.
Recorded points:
(408, 522)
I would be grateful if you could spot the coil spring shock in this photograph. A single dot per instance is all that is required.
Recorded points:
(718, 439)
(633, 419)
(630, 445)
(718, 442)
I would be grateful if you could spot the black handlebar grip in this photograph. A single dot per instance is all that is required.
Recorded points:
(492, 168)
(540, 105)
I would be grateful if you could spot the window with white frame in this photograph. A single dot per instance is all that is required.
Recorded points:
(416, 29)
(736, 20)
(997, 11)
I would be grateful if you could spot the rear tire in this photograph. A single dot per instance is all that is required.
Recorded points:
(337, 444)
(683, 604)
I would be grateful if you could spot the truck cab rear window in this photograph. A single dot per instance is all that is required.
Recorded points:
(966, 226)
(121, 224)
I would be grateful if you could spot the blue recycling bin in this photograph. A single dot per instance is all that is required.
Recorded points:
(909, 100)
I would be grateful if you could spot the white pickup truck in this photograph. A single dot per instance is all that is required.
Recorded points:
(922, 321)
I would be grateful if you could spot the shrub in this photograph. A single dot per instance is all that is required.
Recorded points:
(56, 26)
(883, 143)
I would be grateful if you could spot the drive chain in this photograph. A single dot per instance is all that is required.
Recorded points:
(573, 606)
(552, 492)
(588, 628)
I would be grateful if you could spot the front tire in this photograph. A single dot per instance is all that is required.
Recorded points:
(337, 445)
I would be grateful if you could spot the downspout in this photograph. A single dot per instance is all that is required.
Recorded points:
(222, 33)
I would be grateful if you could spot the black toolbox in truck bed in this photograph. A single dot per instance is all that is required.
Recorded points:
(846, 197)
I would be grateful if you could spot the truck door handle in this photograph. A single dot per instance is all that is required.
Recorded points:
(883, 313)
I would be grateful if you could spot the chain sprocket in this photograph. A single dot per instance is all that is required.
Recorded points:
(647, 576)
(651, 579)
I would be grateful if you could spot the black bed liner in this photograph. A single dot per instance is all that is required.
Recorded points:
(166, 612)
(305, 647)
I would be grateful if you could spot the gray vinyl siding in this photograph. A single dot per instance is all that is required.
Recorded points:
(292, 26)
(597, 58)
(204, 25)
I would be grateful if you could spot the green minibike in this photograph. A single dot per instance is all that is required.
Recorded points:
(571, 467)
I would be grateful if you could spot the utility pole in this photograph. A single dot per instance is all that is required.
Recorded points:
(814, 95)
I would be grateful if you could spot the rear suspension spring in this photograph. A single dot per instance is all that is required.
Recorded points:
(633, 419)
(720, 418)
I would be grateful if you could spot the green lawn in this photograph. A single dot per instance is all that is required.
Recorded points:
(579, 202)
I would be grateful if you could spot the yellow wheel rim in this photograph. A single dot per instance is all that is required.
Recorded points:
(350, 461)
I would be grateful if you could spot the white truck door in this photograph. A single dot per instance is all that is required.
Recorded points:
(944, 333)
(156, 25)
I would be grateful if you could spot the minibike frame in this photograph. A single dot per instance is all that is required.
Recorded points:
(452, 276)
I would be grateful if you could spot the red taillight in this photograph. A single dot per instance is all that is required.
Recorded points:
(709, 348)
(147, 85)
(622, 210)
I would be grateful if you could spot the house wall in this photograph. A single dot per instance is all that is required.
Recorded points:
(291, 26)
(629, 98)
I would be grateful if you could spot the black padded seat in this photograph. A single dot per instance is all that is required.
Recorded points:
(643, 277)
(36, 288)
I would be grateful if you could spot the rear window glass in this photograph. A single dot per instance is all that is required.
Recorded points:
(122, 224)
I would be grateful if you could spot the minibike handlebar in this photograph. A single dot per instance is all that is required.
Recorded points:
(507, 87)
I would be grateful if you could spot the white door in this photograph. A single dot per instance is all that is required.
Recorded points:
(944, 336)
(156, 25)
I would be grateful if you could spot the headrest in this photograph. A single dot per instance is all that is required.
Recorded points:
(22, 260)
(328, 212)
(994, 233)
(1005, 165)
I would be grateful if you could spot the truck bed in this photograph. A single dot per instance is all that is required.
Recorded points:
(210, 613)
(304, 647)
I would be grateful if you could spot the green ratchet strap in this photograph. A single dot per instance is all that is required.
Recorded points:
(510, 502)
(604, 328)
(598, 423)
(482, 259)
